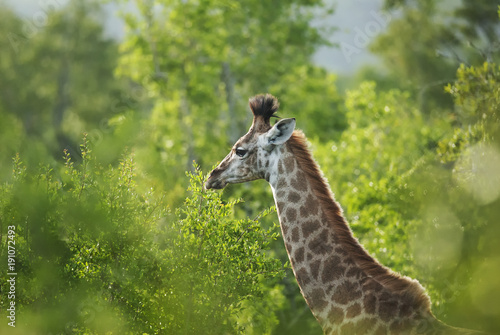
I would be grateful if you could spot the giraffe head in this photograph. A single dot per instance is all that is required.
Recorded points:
(250, 156)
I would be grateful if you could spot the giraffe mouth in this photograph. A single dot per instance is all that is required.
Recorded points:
(213, 183)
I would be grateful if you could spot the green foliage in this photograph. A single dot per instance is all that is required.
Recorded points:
(94, 255)
(78, 228)
(112, 238)
(465, 178)
(310, 93)
(198, 62)
(386, 139)
(427, 40)
(477, 98)
(474, 156)
(421, 192)
(57, 78)
(223, 264)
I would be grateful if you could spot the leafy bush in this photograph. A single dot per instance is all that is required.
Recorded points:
(94, 255)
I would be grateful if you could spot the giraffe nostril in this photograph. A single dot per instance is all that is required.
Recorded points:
(209, 184)
(214, 184)
(214, 181)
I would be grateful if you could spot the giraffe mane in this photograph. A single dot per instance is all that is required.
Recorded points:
(264, 106)
(383, 275)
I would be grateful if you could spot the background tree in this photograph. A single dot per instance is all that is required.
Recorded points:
(58, 77)
(422, 48)
(200, 61)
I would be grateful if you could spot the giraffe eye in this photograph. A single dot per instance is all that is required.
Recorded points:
(240, 152)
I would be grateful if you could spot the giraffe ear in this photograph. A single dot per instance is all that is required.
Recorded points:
(280, 132)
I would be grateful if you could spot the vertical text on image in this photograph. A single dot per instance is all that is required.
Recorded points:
(11, 266)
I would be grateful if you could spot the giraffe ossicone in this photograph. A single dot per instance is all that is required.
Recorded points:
(347, 290)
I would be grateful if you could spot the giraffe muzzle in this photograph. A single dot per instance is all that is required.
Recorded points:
(213, 182)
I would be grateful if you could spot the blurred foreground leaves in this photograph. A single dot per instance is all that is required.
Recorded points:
(95, 256)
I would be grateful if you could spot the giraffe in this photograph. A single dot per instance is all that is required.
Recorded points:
(347, 290)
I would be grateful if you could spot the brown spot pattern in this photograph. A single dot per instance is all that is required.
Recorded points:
(370, 303)
(310, 207)
(291, 214)
(372, 286)
(319, 245)
(405, 310)
(312, 204)
(385, 295)
(340, 250)
(281, 184)
(293, 197)
(346, 292)
(315, 268)
(387, 309)
(281, 206)
(303, 211)
(354, 272)
(295, 234)
(284, 228)
(280, 194)
(302, 277)
(281, 170)
(309, 228)
(317, 300)
(289, 164)
(353, 311)
(299, 255)
(332, 269)
(299, 183)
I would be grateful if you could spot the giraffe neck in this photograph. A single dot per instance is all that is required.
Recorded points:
(345, 288)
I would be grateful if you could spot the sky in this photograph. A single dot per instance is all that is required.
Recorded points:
(358, 22)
